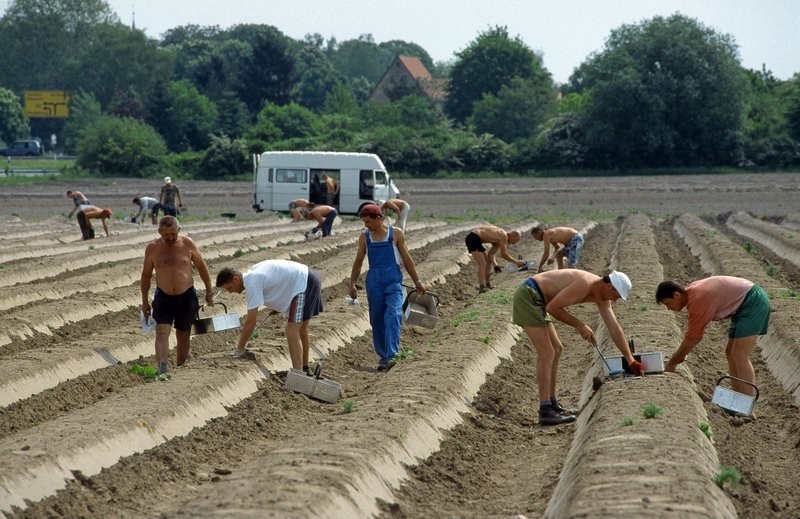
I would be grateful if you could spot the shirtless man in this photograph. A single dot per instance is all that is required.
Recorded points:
(175, 299)
(400, 208)
(78, 199)
(297, 208)
(566, 241)
(324, 215)
(331, 188)
(90, 212)
(499, 239)
(549, 294)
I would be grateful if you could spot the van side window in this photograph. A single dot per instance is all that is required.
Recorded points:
(291, 176)
(380, 177)
(366, 184)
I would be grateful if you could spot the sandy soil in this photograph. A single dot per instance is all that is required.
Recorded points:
(449, 432)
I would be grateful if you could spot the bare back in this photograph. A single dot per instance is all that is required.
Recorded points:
(491, 234)
(568, 287)
(560, 235)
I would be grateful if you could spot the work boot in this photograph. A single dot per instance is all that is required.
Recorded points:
(565, 411)
(549, 416)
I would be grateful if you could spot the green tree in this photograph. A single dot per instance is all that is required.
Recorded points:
(38, 39)
(13, 122)
(188, 117)
(399, 47)
(517, 110)
(316, 78)
(115, 146)
(271, 74)
(85, 111)
(284, 122)
(768, 139)
(668, 92)
(361, 58)
(488, 63)
(224, 158)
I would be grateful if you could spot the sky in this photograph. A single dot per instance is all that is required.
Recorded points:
(564, 32)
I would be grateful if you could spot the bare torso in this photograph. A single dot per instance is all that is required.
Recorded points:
(574, 286)
(560, 235)
(173, 264)
(491, 234)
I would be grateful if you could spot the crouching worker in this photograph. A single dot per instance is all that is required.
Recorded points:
(385, 247)
(282, 286)
(90, 212)
(713, 299)
(175, 299)
(549, 294)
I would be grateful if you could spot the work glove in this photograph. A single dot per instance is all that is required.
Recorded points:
(637, 367)
(497, 269)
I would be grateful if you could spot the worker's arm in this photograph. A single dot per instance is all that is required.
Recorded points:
(144, 282)
(615, 330)
(408, 261)
(357, 263)
(202, 269)
(546, 253)
(680, 354)
(247, 328)
(105, 226)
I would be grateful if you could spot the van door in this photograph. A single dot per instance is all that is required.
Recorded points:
(262, 189)
(288, 184)
(381, 189)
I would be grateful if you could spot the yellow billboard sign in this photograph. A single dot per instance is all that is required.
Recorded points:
(47, 103)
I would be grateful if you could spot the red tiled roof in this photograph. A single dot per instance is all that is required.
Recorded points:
(415, 67)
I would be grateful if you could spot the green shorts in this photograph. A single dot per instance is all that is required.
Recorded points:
(528, 308)
(752, 318)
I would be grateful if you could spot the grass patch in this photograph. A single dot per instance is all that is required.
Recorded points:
(238, 254)
(348, 406)
(652, 411)
(727, 475)
(772, 271)
(628, 420)
(749, 247)
(405, 353)
(785, 294)
(465, 317)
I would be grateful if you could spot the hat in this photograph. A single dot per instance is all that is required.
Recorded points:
(370, 210)
(167, 180)
(381, 202)
(107, 212)
(621, 283)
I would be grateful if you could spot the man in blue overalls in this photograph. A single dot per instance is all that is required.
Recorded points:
(386, 248)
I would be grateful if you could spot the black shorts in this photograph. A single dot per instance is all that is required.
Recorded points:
(474, 243)
(154, 211)
(180, 309)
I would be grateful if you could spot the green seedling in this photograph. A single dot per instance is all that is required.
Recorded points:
(628, 420)
(405, 353)
(642, 308)
(772, 271)
(786, 294)
(727, 475)
(348, 406)
(464, 317)
(487, 340)
(147, 372)
(91, 247)
(652, 411)
(2, 266)
(254, 335)
(748, 247)
(706, 428)
(239, 253)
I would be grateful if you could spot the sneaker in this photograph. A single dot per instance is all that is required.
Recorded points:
(551, 417)
(386, 365)
(564, 411)
(482, 289)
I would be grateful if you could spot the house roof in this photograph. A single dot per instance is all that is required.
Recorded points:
(414, 67)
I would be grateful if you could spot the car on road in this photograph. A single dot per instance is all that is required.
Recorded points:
(23, 148)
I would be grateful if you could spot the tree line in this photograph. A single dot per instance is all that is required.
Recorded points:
(666, 93)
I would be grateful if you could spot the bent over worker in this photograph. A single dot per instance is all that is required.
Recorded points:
(712, 299)
(385, 246)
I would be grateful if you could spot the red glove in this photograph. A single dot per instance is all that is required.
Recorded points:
(637, 367)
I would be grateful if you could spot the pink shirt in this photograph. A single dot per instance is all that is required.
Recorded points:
(713, 299)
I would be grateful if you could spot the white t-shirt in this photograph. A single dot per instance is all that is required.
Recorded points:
(274, 283)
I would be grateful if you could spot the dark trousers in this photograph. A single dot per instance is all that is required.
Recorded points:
(86, 228)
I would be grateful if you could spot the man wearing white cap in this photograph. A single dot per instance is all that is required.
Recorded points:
(549, 294)
(169, 192)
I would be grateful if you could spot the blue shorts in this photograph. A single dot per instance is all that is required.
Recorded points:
(180, 309)
(572, 250)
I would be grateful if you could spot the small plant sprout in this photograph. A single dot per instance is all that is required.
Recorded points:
(786, 294)
(748, 247)
(405, 353)
(727, 475)
(254, 335)
(238, 254)
(706, 428)
(652, 411)
(348, 406)
(628, 420)
(91, 247)
(642, 308)
(772, 271)
(487, 340)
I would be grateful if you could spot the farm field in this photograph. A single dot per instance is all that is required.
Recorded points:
(451, 430)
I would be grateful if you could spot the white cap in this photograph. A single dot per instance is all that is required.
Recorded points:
(167, 180)
(380, 203)
(621, 283)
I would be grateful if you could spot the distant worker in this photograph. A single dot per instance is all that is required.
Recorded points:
(283, 286)
(566, 242)
(499, 240)
(169, 192)
(175, 298)
(400, 208)
(90, 212)
(147, 205)
(324, 216)
(386, 248)
(713, 299)
(331, 189)
(549, 294)
(298, 208)
(78, 199)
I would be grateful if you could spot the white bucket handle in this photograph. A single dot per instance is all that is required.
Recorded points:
(742, 381)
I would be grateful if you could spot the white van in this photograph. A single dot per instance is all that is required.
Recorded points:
(283, 176)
